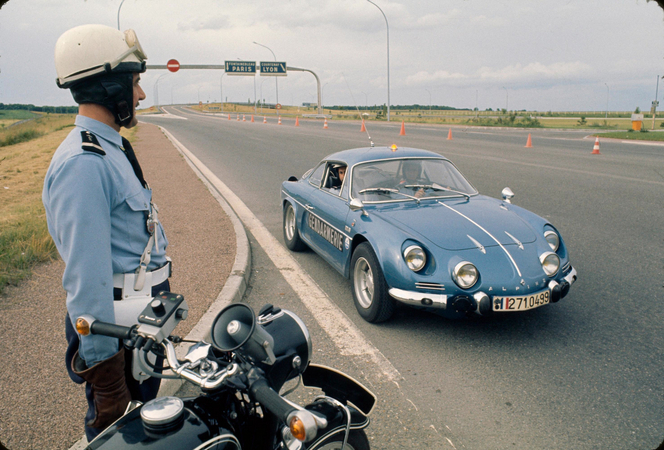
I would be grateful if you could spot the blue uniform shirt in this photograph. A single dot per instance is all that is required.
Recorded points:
(96, 210)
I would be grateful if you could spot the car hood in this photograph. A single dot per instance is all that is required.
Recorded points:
(459, 224)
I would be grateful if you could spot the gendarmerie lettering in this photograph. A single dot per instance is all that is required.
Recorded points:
(326, 232)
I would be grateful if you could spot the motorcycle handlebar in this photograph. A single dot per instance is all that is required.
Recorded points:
(274, 402)
(111, 330)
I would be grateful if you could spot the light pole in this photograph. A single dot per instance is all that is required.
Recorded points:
(429, 100)
(654, 104)
(119, 7)
(388, 58)
(262, 101)
(322, 95)
(156, 89)
(221, 91)
(606, 116)
(276, 83)
(477, 111)
(507, 97)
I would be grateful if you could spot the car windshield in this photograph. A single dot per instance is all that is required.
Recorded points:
(407, 180)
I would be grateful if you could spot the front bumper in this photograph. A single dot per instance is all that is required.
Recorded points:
(479, 303)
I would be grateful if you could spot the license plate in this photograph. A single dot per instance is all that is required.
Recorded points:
(506, 304)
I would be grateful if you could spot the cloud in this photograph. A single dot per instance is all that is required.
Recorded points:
(516, 75)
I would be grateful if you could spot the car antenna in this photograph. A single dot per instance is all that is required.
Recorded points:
(358, 109)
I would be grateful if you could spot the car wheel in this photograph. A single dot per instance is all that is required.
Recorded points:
(369, 287)
(291, 233)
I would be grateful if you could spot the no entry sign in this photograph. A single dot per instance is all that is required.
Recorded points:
(173, 65)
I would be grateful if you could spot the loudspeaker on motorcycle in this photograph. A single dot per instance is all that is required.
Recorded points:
(277, 338)
(234, 329)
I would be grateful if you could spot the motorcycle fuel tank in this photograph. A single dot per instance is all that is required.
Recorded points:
(162, 424)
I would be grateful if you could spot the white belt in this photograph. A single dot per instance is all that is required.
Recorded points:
(126, 281)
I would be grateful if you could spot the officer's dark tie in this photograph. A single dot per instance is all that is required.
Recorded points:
(131, 156)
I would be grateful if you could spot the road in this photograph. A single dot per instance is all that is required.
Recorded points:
(585, 373)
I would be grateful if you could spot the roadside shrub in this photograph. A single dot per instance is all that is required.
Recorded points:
(582, 121)
(21, 136)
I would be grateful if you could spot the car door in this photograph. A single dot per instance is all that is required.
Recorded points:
(325, 221)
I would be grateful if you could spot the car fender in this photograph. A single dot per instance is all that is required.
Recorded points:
(387, 248)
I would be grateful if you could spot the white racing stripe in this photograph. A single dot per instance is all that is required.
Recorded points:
(346, 336)
(488, 234)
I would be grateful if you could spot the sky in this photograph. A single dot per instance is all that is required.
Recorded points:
(543, 55)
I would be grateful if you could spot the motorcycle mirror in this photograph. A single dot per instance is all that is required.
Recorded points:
(235, 329)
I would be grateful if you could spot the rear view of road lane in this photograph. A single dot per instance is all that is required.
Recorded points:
(584, 373)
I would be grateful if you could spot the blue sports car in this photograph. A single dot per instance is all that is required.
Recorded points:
(406, 226)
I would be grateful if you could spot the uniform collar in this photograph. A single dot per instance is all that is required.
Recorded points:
(99, 129)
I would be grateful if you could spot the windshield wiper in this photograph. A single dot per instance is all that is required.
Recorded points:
(437, 187)
(390, 190)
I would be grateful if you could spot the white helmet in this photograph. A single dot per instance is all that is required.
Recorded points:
(90, 50)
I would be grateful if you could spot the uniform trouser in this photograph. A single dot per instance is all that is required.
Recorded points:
(145, 391)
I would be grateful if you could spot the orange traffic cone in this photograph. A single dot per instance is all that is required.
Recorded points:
(403, 129)
(279, 122)
(596, 147)
(363, 127)
(244, 119)
(325, 125)
(449, 135)
(529, 142)
(264, 119)
(297, 121)
(252, 117)
(229, 117)
(238, 117)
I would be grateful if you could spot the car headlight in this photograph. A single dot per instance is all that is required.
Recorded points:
(465, 275)
(415, 257)
(553, 239)
(550, 263)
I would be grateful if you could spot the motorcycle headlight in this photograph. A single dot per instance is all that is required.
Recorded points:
(553, 239)
(415, 257)
(550, 263)
(465, 275)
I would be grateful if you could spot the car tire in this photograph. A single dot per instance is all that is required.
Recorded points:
(370, 292)
(291, 233)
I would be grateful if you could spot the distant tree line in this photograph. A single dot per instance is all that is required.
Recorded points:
(399, 107)
(46, 109)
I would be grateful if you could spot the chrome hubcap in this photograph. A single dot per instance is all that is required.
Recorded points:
(364, 283)
(290, 223)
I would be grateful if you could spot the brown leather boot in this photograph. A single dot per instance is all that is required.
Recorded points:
(109, 388)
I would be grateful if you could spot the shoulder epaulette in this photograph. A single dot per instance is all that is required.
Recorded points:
(91, 144)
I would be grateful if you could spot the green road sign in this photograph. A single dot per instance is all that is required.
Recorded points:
(273, 68)
(240, 67)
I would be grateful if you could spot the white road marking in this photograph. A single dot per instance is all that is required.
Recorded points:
(346, 336)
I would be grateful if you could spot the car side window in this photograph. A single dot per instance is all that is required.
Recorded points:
(334, 177)
(317, 176)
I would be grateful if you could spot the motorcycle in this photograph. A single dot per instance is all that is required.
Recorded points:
(240, 375)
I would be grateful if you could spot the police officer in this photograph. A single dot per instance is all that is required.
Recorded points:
(100, 213)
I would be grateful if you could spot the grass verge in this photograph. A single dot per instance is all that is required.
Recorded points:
(24, 238)
(633, 135)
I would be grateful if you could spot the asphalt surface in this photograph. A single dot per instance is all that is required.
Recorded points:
(584, 373)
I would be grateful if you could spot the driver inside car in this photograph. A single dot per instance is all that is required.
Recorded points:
(411, 172)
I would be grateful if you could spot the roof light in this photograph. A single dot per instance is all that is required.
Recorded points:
(394, 147)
